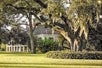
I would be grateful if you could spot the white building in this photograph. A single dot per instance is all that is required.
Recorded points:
(50, 36)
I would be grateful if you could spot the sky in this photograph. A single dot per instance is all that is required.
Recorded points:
(22, 20)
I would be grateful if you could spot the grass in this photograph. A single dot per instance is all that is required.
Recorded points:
(17, 60)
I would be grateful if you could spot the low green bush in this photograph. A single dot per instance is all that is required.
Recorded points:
(2, 47)
(74, 55)
(47, 45)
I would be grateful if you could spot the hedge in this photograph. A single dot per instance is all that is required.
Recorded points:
(74, 55)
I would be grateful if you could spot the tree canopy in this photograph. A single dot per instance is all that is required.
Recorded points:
(71, 22)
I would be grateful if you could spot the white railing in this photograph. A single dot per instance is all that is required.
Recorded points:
(17, 48)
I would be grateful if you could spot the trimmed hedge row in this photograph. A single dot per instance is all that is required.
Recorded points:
(74, 55)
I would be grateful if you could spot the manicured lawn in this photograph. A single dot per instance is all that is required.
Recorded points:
(40, 61)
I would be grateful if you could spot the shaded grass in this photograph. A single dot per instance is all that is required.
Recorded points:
(40, 61)
(3, 52)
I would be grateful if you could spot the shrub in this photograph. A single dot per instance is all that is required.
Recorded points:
(47, 45)
(74, 55)
(3, 47)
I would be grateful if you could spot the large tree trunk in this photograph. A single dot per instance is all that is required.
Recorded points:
(69, 39)
(72, 39)
(33, 47)
(76, 45)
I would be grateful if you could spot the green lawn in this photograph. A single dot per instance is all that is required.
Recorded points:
(40, 61)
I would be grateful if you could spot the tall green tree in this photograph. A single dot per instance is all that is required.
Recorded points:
(74, 21)
(70, 22)
(24, 7)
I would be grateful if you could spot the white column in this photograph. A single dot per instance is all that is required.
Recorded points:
(14, 48)
(9, 48)
(23, 48)
(6, 48)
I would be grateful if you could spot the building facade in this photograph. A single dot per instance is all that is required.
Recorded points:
(48, 36)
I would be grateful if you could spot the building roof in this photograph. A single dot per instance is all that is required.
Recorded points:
(42, 30)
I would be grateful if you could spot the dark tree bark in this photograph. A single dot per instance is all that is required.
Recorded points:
(41, 3)
(33, 47)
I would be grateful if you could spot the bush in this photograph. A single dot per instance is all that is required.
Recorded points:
(3, 47)
(47, 45)
(74, 55)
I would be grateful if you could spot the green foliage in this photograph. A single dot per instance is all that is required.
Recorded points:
(3, 47)
(47, 45)
(87, 11)
(74, 55)
(54, 8)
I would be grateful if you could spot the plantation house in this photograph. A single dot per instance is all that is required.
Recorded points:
(41, 32)
(50, 36)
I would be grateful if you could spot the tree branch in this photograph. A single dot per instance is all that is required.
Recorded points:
(35, 26)
(36, 16)
(17, 8)
(28, 3)
(41, 3)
